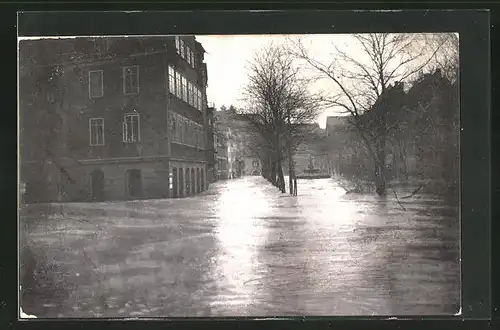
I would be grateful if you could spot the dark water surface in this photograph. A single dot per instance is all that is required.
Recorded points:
(244, 249)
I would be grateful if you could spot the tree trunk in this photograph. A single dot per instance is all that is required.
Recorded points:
(291, 173)
(281, 177)
(380, 173)
(273, 172)
(265, 170)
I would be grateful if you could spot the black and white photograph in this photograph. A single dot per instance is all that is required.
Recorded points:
(239, 175)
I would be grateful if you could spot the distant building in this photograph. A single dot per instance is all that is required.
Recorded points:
(422, 139)
(232, 139)
(251, 166)
(340, 132)
(311, 156)
(221, 149)
(112, 118)
(211, 146)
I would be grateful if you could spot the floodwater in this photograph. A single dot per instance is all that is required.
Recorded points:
(244, 249)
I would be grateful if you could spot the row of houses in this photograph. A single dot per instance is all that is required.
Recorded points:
(238, 155)
(234, 156)
(113, 118)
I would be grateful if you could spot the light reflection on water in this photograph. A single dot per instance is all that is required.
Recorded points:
(244, 249)
(240, 210)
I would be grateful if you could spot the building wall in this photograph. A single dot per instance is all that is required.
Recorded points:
(149, 103)
(66, 114)
(154, 177)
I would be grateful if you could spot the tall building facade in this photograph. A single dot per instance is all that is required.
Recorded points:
(112, 118)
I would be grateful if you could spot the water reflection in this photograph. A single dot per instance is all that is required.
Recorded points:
(244, 249)
(282, 260)
(241, 210)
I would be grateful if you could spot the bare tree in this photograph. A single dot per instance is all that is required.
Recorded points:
(278, 102)
(363, 84)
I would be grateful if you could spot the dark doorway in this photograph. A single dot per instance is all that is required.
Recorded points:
(181, 182)
(97, 185)
(193, 182)
(198, 180)
(134, 183)
(202, 181)
(175, 192)
(188, 182)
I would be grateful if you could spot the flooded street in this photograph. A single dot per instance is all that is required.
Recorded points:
(244, 249)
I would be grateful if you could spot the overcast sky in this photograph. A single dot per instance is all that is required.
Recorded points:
(227, 58)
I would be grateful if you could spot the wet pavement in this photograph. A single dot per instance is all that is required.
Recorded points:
(244, 249)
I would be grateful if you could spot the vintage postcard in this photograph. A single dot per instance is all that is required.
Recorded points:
(239, 175)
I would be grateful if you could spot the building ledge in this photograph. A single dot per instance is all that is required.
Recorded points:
(135, 160)
(122, 160)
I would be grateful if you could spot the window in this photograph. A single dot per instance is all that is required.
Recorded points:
(192, 60)
(200, 101)
(96, 130)
(189, 137)
(188, 55)
(173, 128)
(179, 129)
(255, 163)
(171, 80)
(131, 80)
(96, 83)
(178, 44)
(195, 96)
(191, 94)
(131, 131)
(178, 85)
(183, 49)
(184, 89)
